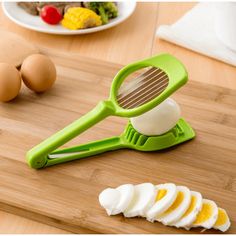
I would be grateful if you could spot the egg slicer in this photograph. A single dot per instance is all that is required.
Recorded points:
(164, 76)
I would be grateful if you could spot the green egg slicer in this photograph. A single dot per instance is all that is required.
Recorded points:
(163, 76)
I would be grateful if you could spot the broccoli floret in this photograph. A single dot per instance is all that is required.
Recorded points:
(106, 10)
(111, 9)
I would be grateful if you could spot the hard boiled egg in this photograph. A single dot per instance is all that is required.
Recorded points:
(208, 215)
(159, 120)
(115, 201)
(167, 203)
(143, 199)
(166, 195)
(191, 213)
(109, 198)
(126, 195)
(222, 222)
(178, 208)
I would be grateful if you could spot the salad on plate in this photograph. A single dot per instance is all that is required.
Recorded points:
(72, 15)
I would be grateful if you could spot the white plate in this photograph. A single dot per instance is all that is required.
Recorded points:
(24, 19)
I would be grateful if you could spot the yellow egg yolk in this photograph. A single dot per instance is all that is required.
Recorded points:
(204, 214)
(177, 202)
(160, 194)
(191, 206)
(222, 218)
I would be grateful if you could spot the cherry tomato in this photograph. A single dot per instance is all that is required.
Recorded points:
(50, 15)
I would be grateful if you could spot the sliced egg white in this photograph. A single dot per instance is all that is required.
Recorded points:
(143, 199)
(178, 208)
(208, 215)
(166, 195)
(109, 198)
(115, 201)
(222, 223)
(191, 213)
(126, 195)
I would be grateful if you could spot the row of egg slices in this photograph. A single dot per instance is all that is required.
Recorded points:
(167, 203)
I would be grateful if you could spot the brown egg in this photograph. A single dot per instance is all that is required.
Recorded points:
(10, 82)
(38, 72)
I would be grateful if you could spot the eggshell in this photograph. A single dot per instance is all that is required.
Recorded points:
(10, 82)
(38, 72)
(159, 120)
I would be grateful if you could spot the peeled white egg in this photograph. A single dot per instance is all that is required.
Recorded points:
(208, 215)
(109, 198)
(166, 195)
(191, 213)
(159, 120)
(178, 208)
(143, 199)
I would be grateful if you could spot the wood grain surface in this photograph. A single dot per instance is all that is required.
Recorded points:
(66, 195)
(20, 225)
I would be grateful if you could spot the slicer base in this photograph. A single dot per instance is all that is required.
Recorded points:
(182, 132)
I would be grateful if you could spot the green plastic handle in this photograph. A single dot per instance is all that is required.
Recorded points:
(85, 150)
(37, 157)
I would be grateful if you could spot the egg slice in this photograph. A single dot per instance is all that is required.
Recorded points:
(109, 198)
(126, 195)
(222, 223)
(191, 213)
(166, 195)
(115, 201)
(143, 199)
(208, 215)
(178, 208)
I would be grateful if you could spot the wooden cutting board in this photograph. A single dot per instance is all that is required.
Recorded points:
(66, 195)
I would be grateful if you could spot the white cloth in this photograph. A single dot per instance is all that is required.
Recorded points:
(195, 31)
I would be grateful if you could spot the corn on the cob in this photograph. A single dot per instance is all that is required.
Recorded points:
(80, 18)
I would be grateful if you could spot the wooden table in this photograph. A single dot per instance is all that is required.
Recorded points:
(136, 36)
